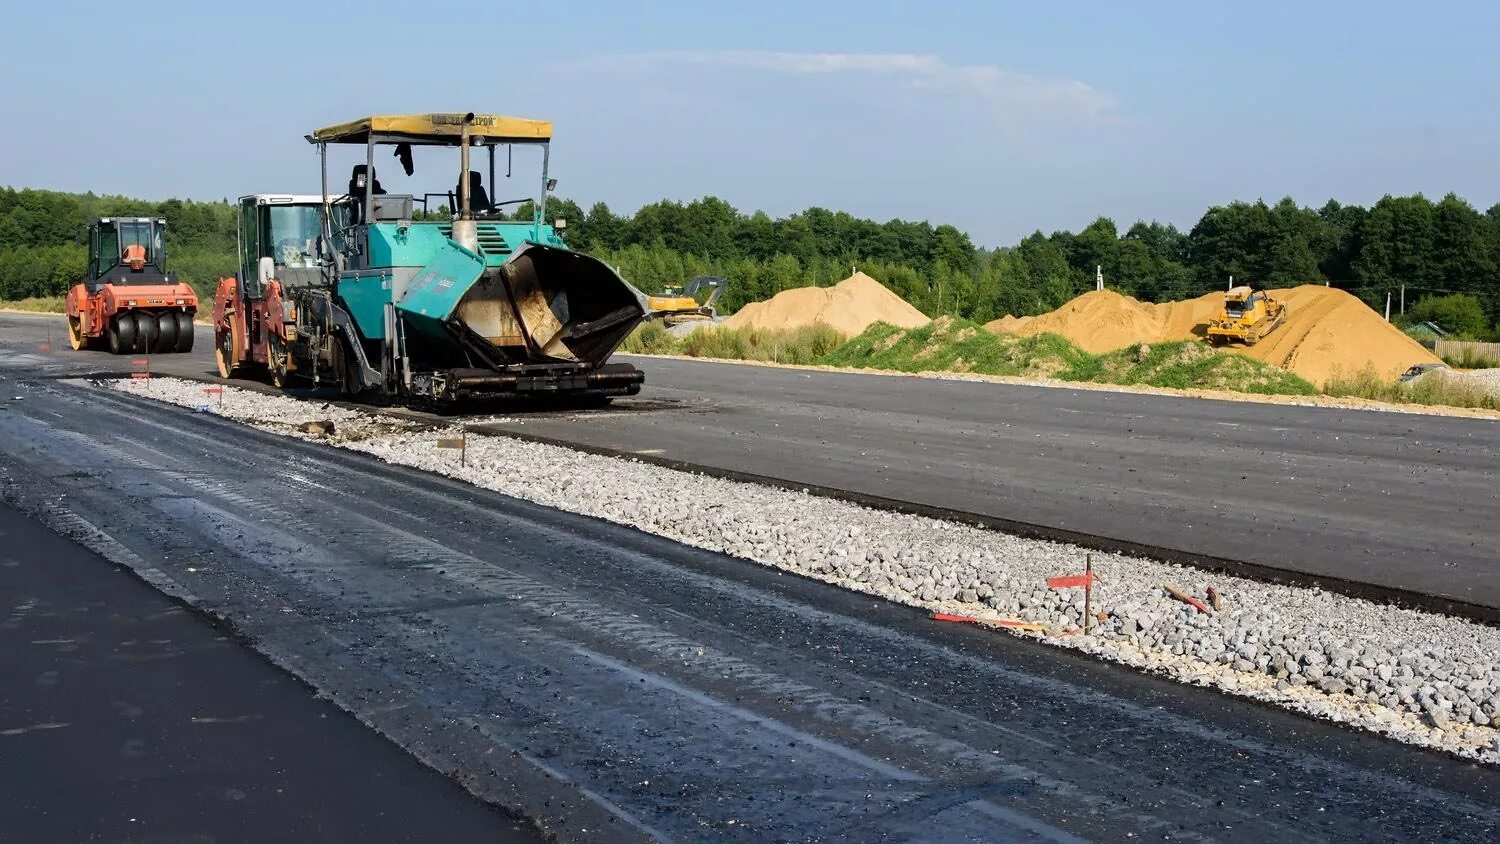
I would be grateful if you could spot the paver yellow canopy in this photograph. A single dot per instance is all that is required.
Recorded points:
(437, 128)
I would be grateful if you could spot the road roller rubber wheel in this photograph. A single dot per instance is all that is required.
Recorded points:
(184, 332)
(166, 333)
(121, 334)
(146, 331)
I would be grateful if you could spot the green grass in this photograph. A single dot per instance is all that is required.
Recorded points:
(1432, 389)
(798, 346)
(651, 338)
(954, 345)
(38, 304)
(1186, 365)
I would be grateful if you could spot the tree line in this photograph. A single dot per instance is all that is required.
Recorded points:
(1428, 248)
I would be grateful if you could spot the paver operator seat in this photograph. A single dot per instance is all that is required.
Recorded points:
(357, 190)
(479, 200)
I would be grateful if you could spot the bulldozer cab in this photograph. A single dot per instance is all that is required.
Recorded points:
(126, 250)
(1241, 301)
(280, 237)
(1247, 317)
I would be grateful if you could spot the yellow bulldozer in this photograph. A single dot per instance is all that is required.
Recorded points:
(1247, 317)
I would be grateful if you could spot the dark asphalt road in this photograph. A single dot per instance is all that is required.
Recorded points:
(1400, 501)
(614, 684)
(125, 717)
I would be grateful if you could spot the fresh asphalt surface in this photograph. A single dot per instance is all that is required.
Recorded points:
(614, 685)
(125, 717)
(1401, 501)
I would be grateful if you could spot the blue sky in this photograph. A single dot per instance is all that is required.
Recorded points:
(1000, 118)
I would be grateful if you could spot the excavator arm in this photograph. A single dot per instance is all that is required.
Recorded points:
(691, 289)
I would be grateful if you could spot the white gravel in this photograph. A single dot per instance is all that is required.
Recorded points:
(1419, 677)
(1488, 379)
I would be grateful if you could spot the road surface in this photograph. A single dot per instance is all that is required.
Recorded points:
(126, 717)
(614, 685)
(1399, 501)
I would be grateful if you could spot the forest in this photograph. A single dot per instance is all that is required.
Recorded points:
(1410, 247)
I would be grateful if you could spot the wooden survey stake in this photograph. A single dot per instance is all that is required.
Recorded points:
(460, 443)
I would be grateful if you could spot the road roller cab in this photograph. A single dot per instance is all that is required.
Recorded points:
(255, 314)
(129, 301)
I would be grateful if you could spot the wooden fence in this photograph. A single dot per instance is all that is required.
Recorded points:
(1466, 353)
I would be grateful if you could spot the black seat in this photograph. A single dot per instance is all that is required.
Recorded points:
(357, 191)
(479, 201)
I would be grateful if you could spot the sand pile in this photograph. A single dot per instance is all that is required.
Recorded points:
(1008, 324)
(1326, 333)
(850, 307)
(1329, 332)
(1098, 321)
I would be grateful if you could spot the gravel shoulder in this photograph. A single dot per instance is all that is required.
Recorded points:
(1487, 378)
(1421, 678)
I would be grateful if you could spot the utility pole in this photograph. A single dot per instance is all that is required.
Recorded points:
(1387, 306)
(1098, 277)
(1403, 298)
(1231, 283)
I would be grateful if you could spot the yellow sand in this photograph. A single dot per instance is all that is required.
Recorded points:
(1326, 332)
(849, 307)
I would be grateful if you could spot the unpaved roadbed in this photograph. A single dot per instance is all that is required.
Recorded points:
(1421, 678)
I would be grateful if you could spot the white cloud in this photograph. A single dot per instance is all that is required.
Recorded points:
(1007, 93)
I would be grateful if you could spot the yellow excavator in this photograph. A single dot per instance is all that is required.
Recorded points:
(675, 306)
(1247, 317)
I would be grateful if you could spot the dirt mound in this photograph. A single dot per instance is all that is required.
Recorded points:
(850, 307)
(1327, 332)
(1098, 321)
(1007, 324)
